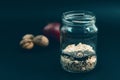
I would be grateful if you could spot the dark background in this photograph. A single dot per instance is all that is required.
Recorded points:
(20, 17)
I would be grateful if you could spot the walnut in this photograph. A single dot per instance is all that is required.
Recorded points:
(41, 40)
(27, 44)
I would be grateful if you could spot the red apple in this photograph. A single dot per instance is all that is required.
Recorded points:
(52, 30)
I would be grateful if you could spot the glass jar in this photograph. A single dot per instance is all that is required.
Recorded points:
(78, 41)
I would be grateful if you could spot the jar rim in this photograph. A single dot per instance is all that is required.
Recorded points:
(78, 16)
(80, 12)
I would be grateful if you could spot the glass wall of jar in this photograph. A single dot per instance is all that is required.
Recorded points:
(78, 41)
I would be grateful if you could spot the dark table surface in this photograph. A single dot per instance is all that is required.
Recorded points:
(20, 17)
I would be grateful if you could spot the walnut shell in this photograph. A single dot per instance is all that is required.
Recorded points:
(41, 40)
(27, 43)
(28, 36)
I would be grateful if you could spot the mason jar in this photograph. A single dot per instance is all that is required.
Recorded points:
(78, 41)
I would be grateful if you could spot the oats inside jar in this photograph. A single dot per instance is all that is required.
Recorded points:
(78, 58)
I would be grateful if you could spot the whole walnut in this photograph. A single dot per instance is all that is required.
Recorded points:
(41, 40)
(27, 43)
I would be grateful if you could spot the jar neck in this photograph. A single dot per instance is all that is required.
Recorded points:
(78, 18)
